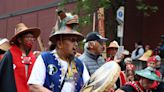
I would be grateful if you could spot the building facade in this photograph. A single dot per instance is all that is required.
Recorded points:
(41, 13)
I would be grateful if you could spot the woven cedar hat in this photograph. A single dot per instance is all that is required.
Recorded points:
(144, 57)
(4, 44)
(148, 73)
(21, 28)
(66, 27)
(65, 31)
(113, 44)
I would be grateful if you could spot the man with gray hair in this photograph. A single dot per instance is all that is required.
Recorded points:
(93, 48)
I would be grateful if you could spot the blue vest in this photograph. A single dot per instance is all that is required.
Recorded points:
(53, 73)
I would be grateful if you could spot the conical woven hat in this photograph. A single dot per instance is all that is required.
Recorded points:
(22, 28)
(113, 44)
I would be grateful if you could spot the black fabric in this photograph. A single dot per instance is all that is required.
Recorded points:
(161, 52)
(161, 70)
(7, 80)
(128, 88)
(2, 51)
(160, 88)
(122, 65)
(117, 83)
(95, 36)
(137, 51)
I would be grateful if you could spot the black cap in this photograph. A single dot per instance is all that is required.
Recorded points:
(95, 36)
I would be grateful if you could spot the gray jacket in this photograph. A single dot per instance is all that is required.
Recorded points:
(91, 61)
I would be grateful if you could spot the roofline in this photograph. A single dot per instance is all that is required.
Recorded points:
(33, 9)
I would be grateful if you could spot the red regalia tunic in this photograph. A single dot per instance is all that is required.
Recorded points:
(136, 86)
(21, 77)
(156, 83)
(122, 78)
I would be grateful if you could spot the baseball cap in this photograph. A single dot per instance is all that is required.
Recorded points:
(95, 36)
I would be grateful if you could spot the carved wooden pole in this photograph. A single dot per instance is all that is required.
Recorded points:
(101, 26)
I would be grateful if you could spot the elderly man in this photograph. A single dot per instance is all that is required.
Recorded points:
(92, 56)
(59, 70)
(16, 66)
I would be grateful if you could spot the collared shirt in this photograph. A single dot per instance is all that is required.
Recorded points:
(38, 74)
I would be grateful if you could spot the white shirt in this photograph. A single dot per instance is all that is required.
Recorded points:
(38, 73)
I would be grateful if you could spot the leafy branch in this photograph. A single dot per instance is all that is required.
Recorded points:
(147, 9)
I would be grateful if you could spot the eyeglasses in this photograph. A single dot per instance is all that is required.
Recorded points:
(29, 37)
(71, 39)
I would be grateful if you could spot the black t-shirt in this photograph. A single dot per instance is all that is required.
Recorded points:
(128, 88)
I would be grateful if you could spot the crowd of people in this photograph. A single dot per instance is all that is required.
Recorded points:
(63, 69)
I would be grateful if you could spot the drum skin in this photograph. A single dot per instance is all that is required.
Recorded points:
(103, 78)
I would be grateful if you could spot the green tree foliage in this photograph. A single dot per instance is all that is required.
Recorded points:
(146, 8)
(86, 8)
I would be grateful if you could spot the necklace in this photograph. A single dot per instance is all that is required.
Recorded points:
(72, 71)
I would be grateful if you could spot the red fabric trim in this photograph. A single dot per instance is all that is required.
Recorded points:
(156, 83)
(158, 73)
(136, 86)
(19, 70)
(122, 78)
(1, 56)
